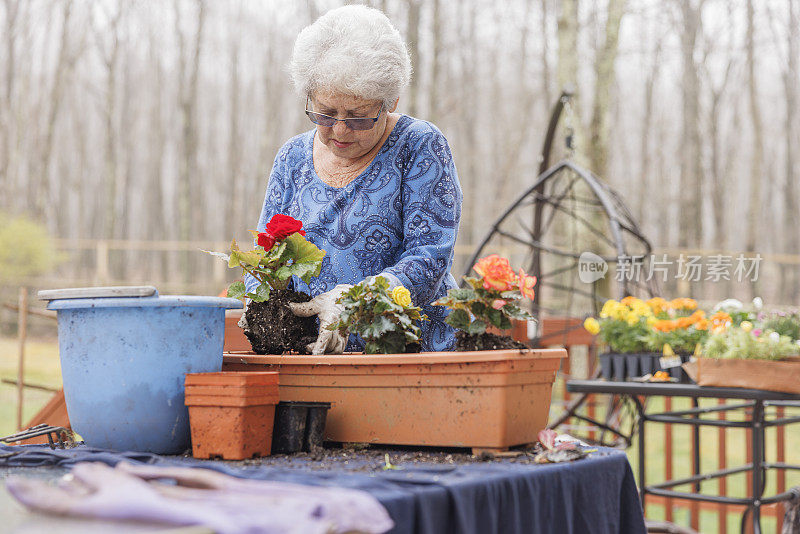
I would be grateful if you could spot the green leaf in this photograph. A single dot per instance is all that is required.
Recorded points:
(379, 326)
(381, 282)
(458, 319)
(479, 309)
(496, 317)
(393, 343)
(516, 313)
(476, 327)
(372, 347)
(262, 293)
(233, 259)
(239, 257)
(474, 282)
(302, 250)
(236, 290)
(381, 307)
(444, 301)
(412, 336)
(462, 294)
(505, 322)
(304, 271)
(275, 254)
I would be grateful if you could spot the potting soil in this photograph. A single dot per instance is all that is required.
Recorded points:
(272, 328)
(485, 341)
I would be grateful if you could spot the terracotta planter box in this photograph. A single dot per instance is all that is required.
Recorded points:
(482, 400)
(231, 414)
(753, 374)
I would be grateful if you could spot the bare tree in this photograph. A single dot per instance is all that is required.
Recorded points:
(757, 161)
(690, 224)
(412, 38)
(653, 72)
(790, 274)
(233, 198)
(39, 192)
(603, 95)
(436, 62)
(108, 46)
(189, 211)
(545, 60)
(12, 8)
(791, 198)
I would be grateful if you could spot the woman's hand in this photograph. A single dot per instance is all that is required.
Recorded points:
(325, 307)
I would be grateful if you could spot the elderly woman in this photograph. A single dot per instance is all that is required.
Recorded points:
(377, 190)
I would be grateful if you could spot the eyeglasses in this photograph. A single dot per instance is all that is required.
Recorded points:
(356, 123)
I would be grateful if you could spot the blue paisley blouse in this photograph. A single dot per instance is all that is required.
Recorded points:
(398, 218)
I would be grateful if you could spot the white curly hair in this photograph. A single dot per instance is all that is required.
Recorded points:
(354, 50)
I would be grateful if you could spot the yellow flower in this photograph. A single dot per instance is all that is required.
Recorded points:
(651, 320)
(632, 319)
(641, 308)
(592, 326)
(746, 326)
(608, 308)
(401, 296)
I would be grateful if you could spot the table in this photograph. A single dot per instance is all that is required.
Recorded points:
(756, 403)
(593, 495)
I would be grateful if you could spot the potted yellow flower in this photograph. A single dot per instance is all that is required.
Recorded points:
(637, 332)
(622, 327)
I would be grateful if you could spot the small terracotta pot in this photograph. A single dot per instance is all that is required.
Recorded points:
(231, 414)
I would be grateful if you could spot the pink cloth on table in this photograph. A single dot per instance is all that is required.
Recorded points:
(227, 504)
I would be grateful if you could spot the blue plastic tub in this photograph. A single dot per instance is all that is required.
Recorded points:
(123, 361)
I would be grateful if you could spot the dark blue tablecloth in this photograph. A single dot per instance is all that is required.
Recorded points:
(593, 495)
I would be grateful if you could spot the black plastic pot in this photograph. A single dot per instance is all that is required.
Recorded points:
(605, 365)
(618, 361)
(646, 361)
(684, 375)
(632, 365)
(299, 426)
(678, 372)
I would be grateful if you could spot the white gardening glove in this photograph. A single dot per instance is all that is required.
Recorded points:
(325, 307)
(243, 320)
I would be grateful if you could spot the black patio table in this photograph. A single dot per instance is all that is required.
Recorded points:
(755, 405)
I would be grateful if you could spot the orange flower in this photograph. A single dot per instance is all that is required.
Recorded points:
(720, 321)
(526, 284)
(657, 304)
(702, 324)
(699, 314)
(627, 301)
(683, 322)
(683, 304)
(496, 273)
(664, 325)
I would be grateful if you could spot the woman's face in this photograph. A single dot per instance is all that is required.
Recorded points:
(341, 140)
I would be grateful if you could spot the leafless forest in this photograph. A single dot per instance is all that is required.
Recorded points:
(129, 127)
